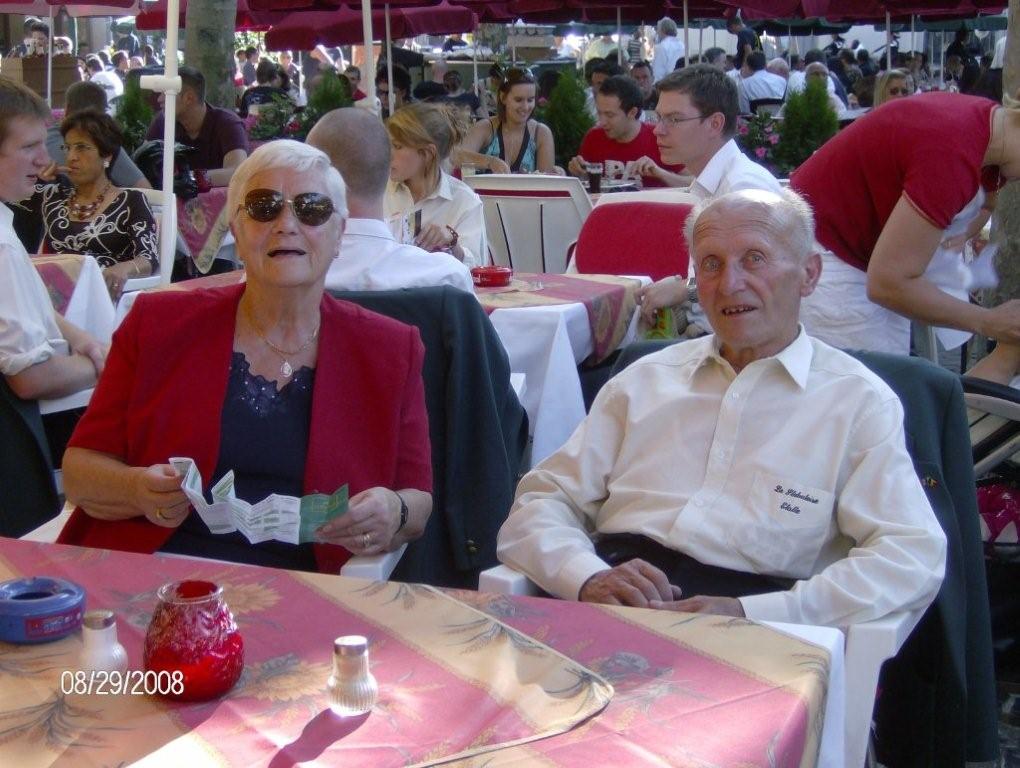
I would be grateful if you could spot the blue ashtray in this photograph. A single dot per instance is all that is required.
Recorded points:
(40, 609)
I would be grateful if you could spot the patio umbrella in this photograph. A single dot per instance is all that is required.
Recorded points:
(153, 17)
(45, 8)
(304, 30)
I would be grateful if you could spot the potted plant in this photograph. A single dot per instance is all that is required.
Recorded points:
(282, 120)
(808, 122)
(134, 115)
(566, 116)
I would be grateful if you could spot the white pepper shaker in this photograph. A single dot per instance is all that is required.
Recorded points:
(352, 688)
(101, 651)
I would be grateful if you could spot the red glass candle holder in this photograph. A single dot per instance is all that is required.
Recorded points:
(193, 632)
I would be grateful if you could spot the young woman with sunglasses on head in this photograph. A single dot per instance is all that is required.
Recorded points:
(424, 204)
(513, 141)
(891, 84)
(294, 391)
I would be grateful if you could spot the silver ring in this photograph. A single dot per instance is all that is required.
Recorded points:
(366, 540)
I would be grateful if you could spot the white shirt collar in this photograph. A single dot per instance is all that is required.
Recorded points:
(795, 358)
(443, 189)
(711, 177)
(369, 228)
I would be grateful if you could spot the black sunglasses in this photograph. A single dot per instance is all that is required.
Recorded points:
(310, 208)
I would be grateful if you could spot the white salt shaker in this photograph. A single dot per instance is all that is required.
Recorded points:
(101, 651)
(352, 688)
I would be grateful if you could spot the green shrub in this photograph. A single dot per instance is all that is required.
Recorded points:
(566, 116)
(134, 115)
(808, 122)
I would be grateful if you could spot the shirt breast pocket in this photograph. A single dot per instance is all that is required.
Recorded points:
(787, 522)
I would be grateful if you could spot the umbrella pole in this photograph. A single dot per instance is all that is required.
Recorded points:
(474, 61)
(169, 83)
(49, 64)
(913, 43)
(789, 39)
(389, 61)
(687, 36)
(942, 61)
(701, 37)
(366, 32)
(619, 39)
(888, 41)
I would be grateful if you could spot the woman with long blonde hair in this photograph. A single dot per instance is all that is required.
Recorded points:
(891, 84)
(425, 205)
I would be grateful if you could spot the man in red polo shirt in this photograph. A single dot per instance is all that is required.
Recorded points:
(620, 139)
(896, 195)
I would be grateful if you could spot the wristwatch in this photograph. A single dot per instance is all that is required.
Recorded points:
(453, 243)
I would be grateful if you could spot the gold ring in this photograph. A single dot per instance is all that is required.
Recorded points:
(160, 514)
(366, 540)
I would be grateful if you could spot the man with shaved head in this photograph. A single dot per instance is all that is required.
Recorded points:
(756, 471)
(370, 258)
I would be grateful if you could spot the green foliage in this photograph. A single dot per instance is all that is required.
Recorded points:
(566, 116)
(281, 120)
(134, 115)
(808, 122)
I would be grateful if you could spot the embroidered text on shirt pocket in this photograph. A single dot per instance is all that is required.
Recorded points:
(791, 504)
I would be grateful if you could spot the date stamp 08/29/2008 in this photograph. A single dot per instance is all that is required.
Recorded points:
(133, 682)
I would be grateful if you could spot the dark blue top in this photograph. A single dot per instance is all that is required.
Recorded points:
(264, 439)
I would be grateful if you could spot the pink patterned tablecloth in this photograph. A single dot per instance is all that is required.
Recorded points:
(608, 299)
(203, 225)
(463, 677)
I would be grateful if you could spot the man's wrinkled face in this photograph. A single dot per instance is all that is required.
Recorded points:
(643, 77)
(750, 283)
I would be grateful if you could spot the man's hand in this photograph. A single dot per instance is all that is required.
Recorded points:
(668, 292)
(645, 166)
(719, 606)
(635, 583)
(578, 166)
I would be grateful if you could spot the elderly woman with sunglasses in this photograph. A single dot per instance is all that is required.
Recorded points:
(294, 391)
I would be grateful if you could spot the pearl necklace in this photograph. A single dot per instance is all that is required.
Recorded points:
(85, 210)
(286, 369)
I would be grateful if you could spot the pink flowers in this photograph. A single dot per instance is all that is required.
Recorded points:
(743, 129)
(773, 139)
(761, 152)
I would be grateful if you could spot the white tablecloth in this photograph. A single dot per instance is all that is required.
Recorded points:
(90, 307)
(547, 344)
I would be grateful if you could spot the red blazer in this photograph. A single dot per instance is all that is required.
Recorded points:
(165, 381)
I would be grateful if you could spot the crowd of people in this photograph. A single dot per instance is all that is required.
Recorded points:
(774, 503)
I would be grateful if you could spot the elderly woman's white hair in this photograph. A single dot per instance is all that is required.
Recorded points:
(293, 155)
(790, 213)
(666, 27)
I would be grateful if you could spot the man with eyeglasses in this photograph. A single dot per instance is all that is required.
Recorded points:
(621, 143)
(697, 111)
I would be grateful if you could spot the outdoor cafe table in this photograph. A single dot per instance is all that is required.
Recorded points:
(549, 324)
(203, 225)
(511, 681)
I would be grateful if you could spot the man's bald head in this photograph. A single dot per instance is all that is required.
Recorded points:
(358, 146)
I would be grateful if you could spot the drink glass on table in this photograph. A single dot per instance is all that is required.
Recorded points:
(594, 177)
(468, 169)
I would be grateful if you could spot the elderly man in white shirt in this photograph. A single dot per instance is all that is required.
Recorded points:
(789, 495)
(697, 111)
(370, 258)
(41, 354)
(668, 49)
(760, 84)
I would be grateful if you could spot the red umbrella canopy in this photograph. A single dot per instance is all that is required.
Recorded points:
(153, 17)
(306, 29)
(860, 10)
(330, 5)
(74, 7)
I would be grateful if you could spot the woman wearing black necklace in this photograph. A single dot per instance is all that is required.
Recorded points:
(83, 212)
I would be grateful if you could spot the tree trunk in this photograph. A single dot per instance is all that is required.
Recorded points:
(209, 47)
(1007, 211)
